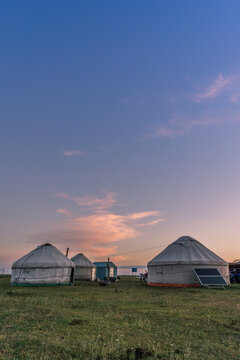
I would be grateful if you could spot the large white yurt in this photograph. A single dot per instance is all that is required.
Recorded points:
(45, 265)
(85, 269)
(174, 265)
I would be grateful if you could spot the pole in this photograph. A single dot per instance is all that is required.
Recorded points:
(108, 266)
(67, 252)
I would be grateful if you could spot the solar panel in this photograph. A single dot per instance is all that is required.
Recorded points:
(207, 271)
(216, 280)
(210, 277)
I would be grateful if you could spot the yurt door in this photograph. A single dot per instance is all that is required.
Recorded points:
(93, 274)
(72, 276)
(111, 272)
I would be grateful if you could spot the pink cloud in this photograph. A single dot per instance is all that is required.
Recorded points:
(109, 227)
(96, 202)
(91, 201)
(100, 252)
(104, 227)
(97, 233)
(118, 258)
(151, 223)
(70, 153)
(142, 215)
(218, 86)
(179, 125)
(64, 212)
(169, 132)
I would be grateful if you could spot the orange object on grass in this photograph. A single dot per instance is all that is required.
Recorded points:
(174, 285)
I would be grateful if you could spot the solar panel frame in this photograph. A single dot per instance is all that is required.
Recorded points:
(210, 277)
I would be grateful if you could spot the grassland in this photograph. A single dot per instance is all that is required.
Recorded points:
(126, 320)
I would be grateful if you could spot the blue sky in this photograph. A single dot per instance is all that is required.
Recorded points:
(120, 126)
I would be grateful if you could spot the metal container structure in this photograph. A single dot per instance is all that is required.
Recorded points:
(106, 269)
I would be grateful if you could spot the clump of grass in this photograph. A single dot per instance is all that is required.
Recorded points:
(13, 293)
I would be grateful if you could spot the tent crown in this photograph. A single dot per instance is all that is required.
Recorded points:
(184, 240)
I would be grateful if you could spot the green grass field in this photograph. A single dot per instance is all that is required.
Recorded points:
(126, 320)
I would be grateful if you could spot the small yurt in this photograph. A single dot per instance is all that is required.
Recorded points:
(85, 269)
(45, 265)
(174, 265)
(103, 272)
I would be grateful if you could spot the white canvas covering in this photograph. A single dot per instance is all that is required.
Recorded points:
(85, 269)
(175, 264)
(45, 265)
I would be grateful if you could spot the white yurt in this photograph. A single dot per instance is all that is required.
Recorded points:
(45, 265)
(85, 269)
(174, 265)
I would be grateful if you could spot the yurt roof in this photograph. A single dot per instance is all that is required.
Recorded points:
(186, 250)
(43, 256)
(82, 260)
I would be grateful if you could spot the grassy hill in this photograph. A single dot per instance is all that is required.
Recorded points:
(126, 320)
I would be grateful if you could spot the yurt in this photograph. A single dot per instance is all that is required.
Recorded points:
(174, 265)
(85, 269)
(45, 265)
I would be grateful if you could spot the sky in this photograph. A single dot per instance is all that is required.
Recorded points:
(119, 127)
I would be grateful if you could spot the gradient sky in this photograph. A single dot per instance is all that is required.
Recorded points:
(120, 126)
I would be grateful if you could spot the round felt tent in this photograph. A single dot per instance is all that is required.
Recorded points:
(45, 265)
(85, 269)
(174, 265)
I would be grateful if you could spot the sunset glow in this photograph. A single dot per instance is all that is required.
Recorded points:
(120, 128)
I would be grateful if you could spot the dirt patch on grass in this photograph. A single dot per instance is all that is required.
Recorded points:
(78, 322)
(136, 354)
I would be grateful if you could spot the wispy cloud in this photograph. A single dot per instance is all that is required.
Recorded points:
(222, 88)
(106, 202)
(64, 212)
(153, 222)
(163, 131)
(94, 203)
(220, 85)
(98, 233)
(142, 215)
(118, 258)
(70, 153)
(180, 125)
